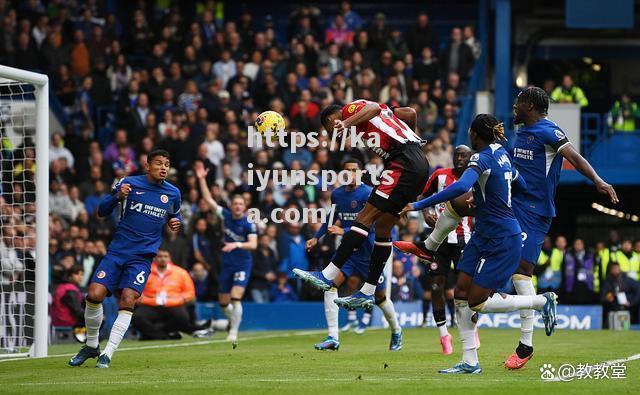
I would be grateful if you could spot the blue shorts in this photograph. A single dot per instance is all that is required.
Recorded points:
(491, 261)
(119, 271)
(534, 229)
(360, 268)
(234, 274)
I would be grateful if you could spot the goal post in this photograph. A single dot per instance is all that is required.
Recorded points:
(33, 343)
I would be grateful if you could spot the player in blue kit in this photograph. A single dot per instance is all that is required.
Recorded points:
(348, 201)
(493, 252)
(147, 203)
(240, 238)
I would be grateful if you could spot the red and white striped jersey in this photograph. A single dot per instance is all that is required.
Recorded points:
(439, 180)
(389, 132)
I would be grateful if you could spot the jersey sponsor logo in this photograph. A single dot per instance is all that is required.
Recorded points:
(164, 198)
(521, 153)
(148, 209)
(101, 274)
(559, 134)
(380, 152)
(351, 109)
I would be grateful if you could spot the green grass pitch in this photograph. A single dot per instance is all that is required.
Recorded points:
(286, 363)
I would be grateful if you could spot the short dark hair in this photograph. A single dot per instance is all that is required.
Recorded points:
(353, 160)
(158, 152)
(327, 112)
(75, 269)
(537, 97)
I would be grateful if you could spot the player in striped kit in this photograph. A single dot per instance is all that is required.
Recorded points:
(405, 174)
(437, 277)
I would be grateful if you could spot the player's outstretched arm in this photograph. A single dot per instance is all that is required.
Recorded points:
(585, 168)
(201, 174)
(407, 114)
(109, 202)
(462, 186)
(369, 111)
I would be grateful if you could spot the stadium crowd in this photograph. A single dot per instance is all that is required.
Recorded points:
(193, 85)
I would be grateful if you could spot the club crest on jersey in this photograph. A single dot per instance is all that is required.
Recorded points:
(530, 139)
(351, 109)
(101, 274)
(559, 134)
(474, 158)
(164, 198)
(354, 203)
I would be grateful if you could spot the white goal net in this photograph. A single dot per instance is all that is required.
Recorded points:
(23, 213)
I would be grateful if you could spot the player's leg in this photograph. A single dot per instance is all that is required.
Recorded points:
(104, 280)
(240, 282)
(331, 310)
(381, 251)
(126, 304)
(389, 312)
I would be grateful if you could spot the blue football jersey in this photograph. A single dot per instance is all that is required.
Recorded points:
(236, 231)
(143, 215)
(535, 156)
(492, 192)
(349, 204)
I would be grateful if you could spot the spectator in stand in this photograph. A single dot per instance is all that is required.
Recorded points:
(457, 56)
(470, 39)
(624, 114)
(80, 59)
(57, 150)
(351, 18)
(549, 275)
(438, 155)
(291, 249)
(629, 261)
(339, 33)
(426, 70)
(427, 113)
(67, 308)
(263, 273)
(579, 275)
(113, 150)
(619, 293)
(163, 313)
(568, 92)
(282, 291)
(548, 85)
(421, 35)
(202, 246)
(401, 286)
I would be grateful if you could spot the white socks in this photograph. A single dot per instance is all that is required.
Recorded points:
(331, 271)
(118, 330)
(366, 318)
(92, 320)
(368, 289)
(447, 221)
(389, 313)
(467, 329)
(524, 286)
(352, 315)
(502, 303)
(331, 312)
(236, 318)
(443, 329)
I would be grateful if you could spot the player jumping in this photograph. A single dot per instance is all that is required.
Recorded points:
(148, 203)
(493, 252)
(405, 173)
(438, 277)
(348, 201)
(535, 156)
(241, 237)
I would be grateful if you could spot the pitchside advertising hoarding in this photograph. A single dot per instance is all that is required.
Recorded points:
(304, 315)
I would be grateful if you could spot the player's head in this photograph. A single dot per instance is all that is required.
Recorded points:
(238, 205)
(532, 101)
(329, 115)
(163, 258)
(352, 165)
(485, 129)
(158, 164)
(461, 156)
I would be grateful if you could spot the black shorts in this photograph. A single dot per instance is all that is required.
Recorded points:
(407, 174)
(447, 256)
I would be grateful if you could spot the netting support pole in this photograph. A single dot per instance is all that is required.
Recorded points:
(41, 331)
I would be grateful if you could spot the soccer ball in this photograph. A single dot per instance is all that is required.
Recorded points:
(269, 121)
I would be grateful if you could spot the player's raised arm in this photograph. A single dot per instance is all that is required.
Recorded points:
(585, 168)
(201, 174)
(407, 114)
(119, 192)
(469, 177)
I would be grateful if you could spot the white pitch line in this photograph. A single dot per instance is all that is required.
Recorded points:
(608, 363)
(174, 345)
